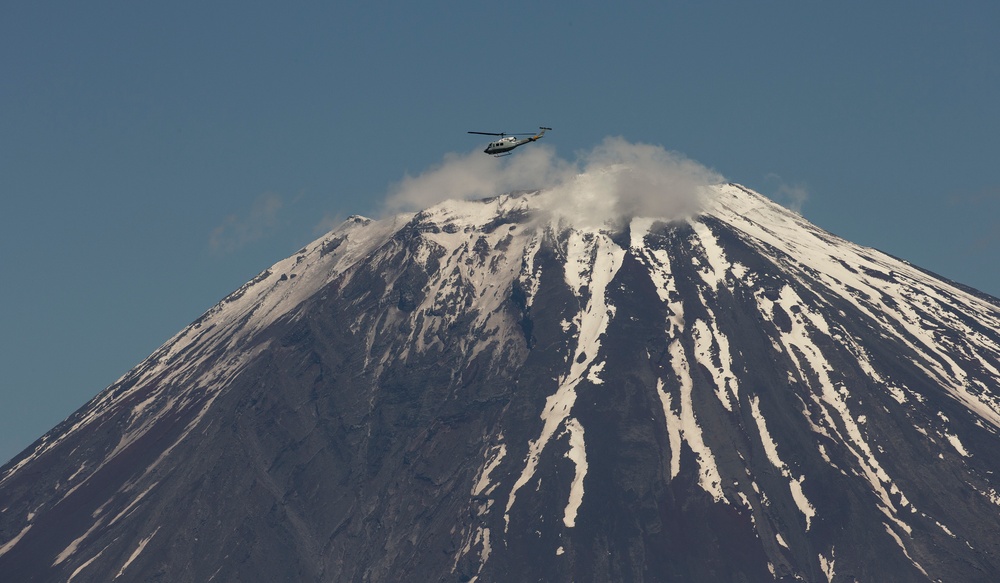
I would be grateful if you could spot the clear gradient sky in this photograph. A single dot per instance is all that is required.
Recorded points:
(156, 156)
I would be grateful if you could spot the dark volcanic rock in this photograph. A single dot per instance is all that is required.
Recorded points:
(484, 392)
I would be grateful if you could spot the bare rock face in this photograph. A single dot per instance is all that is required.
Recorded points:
(484, 391)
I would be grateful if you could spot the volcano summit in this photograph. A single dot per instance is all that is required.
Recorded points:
(495, 391)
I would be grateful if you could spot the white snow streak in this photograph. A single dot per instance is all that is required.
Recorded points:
(17, 538)
(957, 444)
(832, 400)
(711, 346)
(771, 451)
(682, 425)
(595, 259)
(483, 485)
(578, 454)
(904, 301)
(673, 429)
(71, 548)
(708, 475)
(138, 550)
(827, 564)
(906, 553)
(85, 565)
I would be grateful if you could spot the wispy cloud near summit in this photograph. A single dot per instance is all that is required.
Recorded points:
(615, 180)
(238, 230)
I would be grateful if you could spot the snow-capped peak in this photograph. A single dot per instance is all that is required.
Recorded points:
(510, 387)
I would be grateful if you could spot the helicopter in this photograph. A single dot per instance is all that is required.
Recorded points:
(508, 142)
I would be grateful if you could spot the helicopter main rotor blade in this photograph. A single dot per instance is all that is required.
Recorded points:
(503, 134)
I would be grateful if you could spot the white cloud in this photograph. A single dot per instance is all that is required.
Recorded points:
(476, 175)
(328, 223)
(238, 230)
(620, 180)
(793, 196)
(615, 180)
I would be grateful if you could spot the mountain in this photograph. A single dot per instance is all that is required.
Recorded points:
(492, 391)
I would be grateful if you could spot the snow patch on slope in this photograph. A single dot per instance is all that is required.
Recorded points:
(903, 300)
(578, 455)
(771, 451)
(170, 379)
(592, 260)
(682, 424)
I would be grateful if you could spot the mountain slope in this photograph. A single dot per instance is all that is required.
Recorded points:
(488, 390)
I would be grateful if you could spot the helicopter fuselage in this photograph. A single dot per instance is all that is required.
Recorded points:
(505, 144)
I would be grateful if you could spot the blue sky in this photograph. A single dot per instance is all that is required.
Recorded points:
(154, 157)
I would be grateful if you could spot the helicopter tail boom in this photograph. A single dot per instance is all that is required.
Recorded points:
(539, 134)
